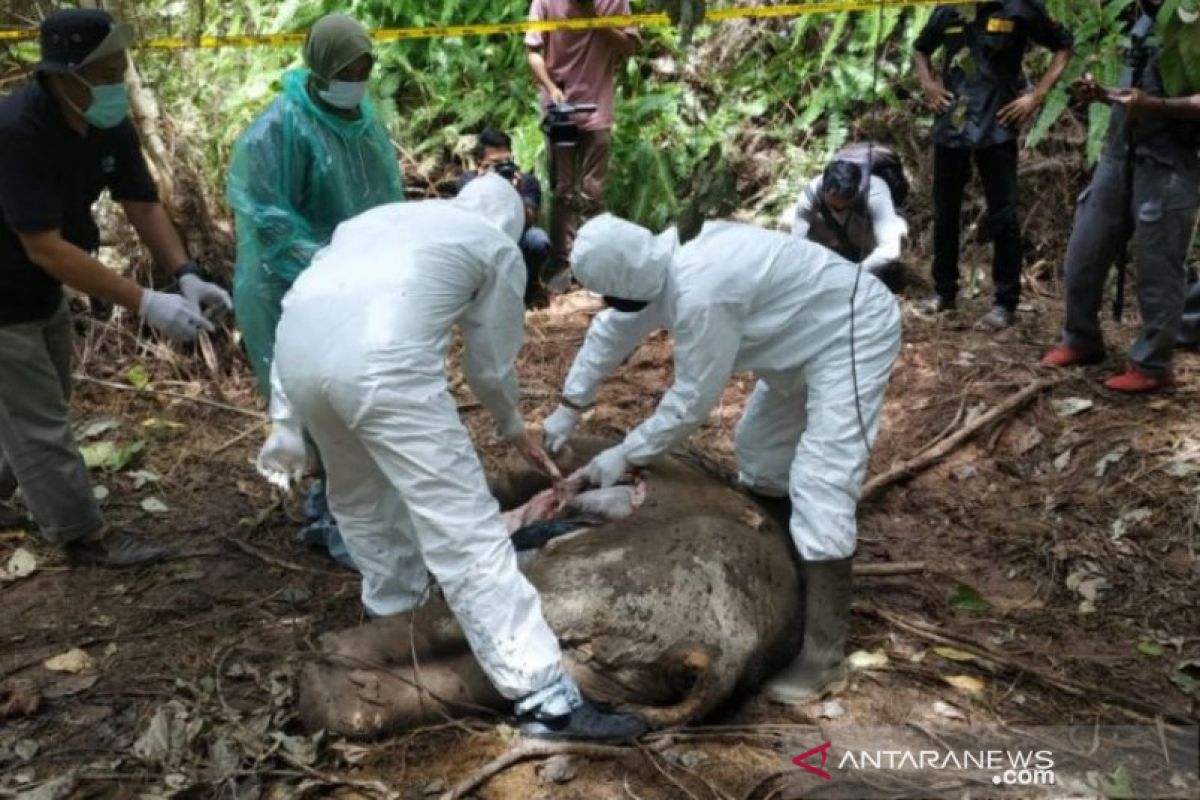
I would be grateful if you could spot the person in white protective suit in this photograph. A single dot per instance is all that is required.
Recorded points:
(360, 364)
(820, 333)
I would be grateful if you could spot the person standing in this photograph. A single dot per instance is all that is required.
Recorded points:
(821, 334)
(360, 363)
(64, 139)
(578, 67)
(1156, 213)
(314, 158)
(982, 98)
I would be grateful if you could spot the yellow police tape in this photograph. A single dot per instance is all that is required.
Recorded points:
(491, 29)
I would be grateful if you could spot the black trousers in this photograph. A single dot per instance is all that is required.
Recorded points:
(997, 167)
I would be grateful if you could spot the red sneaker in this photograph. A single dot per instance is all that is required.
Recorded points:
(1067, 356)
(1134, 381)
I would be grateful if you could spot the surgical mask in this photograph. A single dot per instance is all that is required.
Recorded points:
(110, 104)
(345, 94)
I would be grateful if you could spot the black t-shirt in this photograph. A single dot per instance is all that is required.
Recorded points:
(982, 64)
(49, 178)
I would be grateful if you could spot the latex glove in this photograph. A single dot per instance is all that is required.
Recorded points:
(214, 300)
(283, 459)
(607, 468)
(558, 427)
(172, 315)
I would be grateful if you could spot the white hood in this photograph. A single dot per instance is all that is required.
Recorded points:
(497, 202)
(620, 259)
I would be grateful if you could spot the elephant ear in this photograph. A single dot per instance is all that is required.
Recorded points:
(1179, 29)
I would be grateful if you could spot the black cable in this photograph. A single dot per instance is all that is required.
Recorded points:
(862, 427)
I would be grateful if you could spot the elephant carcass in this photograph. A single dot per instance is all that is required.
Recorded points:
(668, 614)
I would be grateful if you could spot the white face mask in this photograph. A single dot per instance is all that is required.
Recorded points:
(344, 94)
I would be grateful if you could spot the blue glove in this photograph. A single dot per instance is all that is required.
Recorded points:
(607, 468)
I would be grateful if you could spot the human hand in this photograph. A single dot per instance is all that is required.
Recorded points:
(172, 315)
(1019, 111)
(558, 427)
(1135, 102)
(283, 459)
(212, 299)
(526, 444)
(937, 96)
(558, 96)
(607, 468)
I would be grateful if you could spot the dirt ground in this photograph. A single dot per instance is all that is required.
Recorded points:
(1051, 561)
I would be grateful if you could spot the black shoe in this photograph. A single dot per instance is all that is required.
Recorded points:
(115, 550)
(997, 319)
(936, 304)
(588, 722)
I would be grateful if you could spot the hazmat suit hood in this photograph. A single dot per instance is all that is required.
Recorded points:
(616, 258)
(497, 202)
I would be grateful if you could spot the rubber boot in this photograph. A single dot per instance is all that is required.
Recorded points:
(821, 663)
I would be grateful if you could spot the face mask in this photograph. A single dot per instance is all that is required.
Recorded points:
(345, 94)
(110, 104)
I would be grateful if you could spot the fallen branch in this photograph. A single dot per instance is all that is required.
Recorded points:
(1003, 663)
(258, 426)
(175, 395)
(267, 558)
(887, 570)
(533, 748)
(932, 455)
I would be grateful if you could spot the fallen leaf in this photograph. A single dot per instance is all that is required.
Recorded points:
(143, 476)
(948, 711)
(1153, 649)
(20, 564)
(861, 659)
(1182, 469)
(1129, 519)
(168, 737)
(26, 749)
(70, 685)
(138, 376)
(966, 683)
(98, 427)
(100, 492)
(966, 598)
(154, 423)
(1063, 461)
(154, 506)
(73, 661)
(1109, 459)
(1070, 406)
(832, 709)
(1187, 677)
(1117, 785)
(1029, 439)
(110, 455)
(952, 654)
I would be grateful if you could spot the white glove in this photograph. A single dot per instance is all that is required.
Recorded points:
(283, 459)
(214, 300)
(607, 468)
(172, 315)
(558, 427)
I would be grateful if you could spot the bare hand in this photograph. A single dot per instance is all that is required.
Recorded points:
(1135, 102)
(1019, 111)
(1086, 90)
(527, 445)
(938, 96)
(558, 96)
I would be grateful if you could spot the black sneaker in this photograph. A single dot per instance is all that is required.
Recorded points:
(588, 722)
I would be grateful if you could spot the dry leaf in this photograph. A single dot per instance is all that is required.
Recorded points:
(966, 683)
(73, 661)
(953, 654)
(20, 564)
(861, 659)
(1070, 406)
(943, 709)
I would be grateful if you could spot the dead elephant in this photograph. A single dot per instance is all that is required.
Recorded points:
(666, 614)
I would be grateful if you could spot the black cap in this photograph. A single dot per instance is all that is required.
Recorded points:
(70, 39)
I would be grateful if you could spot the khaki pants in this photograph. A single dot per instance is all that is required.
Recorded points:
(37, 448)
(579, 175)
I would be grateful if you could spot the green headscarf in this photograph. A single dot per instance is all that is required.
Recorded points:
(334, 43)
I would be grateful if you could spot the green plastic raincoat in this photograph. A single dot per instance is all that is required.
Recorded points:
(297, 172)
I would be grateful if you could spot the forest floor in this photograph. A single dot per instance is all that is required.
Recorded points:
(1056, 583)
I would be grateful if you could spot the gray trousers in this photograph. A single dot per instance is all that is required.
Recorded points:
(37, 447)
(1165, 203)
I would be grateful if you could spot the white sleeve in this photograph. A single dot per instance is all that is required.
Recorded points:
(611, 337)
(888, 226)
(493, 329)
(706, 346)
(279, 407)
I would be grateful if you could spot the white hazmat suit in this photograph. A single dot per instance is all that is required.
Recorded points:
(360, 364)
(739, 298)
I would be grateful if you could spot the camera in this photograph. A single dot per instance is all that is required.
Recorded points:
(506, 169)
(559, 124)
